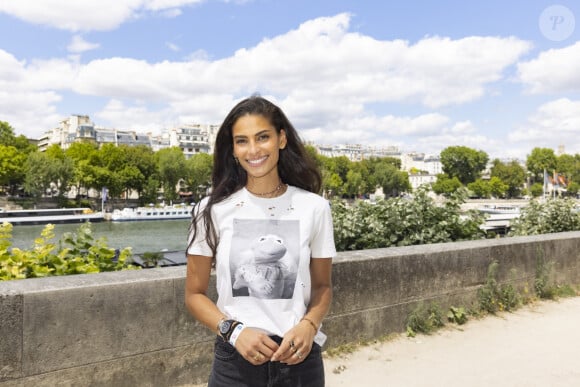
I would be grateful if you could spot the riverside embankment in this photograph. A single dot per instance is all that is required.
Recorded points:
(131, 328)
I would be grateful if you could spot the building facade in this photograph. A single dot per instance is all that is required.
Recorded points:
(191, 139)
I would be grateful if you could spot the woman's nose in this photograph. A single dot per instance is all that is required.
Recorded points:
(252, 147)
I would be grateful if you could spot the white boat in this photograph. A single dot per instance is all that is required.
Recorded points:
(500, 209)
(177, 211)
(53, 216)
(499, 217)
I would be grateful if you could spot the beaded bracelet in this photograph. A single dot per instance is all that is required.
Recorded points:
(310, 322)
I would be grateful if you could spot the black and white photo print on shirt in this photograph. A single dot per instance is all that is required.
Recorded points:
(264, 258)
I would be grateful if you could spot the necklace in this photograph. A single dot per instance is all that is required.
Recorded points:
(266, 194)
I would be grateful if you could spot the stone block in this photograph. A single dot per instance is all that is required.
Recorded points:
(10, 335)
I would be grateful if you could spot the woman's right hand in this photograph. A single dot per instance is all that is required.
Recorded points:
(255, 346)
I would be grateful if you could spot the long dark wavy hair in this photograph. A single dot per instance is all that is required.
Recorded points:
(295, 166)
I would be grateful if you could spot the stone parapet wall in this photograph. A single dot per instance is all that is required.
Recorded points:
(131, 328)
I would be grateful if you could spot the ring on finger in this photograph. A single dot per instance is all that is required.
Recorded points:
(299, 354)
(258, 356)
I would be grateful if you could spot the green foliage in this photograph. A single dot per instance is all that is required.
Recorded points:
(494, 297)
(480, 188)
(464, 163)
(152, 259)
(540, 160)
(553, 215)
(537, 189)
(403, 222)
(573, 188)
(543, 282)
(512, 174)
(545, 285)
(424, 319)
(171, 167)
(457, 315)
(497, 187)
(199, 171)
(446, 186)
(74, 253)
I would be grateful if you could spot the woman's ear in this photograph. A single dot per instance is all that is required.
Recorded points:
(283, 139)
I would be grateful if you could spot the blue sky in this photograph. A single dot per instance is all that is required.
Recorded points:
(420, 75)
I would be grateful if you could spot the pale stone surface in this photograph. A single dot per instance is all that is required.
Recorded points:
(537, 345)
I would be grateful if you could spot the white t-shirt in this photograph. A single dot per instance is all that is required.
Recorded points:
(263, 255)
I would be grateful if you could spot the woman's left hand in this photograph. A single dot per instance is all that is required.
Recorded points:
(296, 344)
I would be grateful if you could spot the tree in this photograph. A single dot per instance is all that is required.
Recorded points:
(171, 169)
(497, 187)
(332, 184)
(11, 167)
(391, 180)
(573, 188)
(566, 165)
(83, 156)
(444, 185)
(143, 158)
(199, 171)
(480, 188)
(464, 163)
(537, 189)
(512, 174)
(38, 174)
(7, 137)
(354, 183)
(540, 160)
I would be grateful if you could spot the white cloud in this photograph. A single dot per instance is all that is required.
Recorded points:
(553, 124)
(324, 77)
(79, 45)
(88, 15)
(553, 71)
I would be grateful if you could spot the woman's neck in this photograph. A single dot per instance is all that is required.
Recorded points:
(270, 189)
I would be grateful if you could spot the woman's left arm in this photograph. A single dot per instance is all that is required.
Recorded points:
(321, 296)
(297, 342)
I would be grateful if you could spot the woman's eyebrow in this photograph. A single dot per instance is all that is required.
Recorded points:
(263, 131)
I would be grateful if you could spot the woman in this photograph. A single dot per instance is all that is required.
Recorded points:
(270, 237)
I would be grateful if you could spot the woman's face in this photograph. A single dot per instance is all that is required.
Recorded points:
(257, 145)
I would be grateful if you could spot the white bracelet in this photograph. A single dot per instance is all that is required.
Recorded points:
(234, 336)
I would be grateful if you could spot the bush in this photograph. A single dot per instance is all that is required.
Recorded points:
(554, 215)
(75, 253)
(403, 222)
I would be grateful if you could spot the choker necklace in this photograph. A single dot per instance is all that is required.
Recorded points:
(265, 194)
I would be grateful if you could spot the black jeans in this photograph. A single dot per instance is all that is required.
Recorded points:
(230, 369)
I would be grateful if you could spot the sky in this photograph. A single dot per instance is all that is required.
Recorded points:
(498, 76)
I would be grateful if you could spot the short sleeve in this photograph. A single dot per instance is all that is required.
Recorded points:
(199, 245)
(322, 243)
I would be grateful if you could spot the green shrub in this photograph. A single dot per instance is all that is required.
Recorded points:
(554, 215)
(74, 253)
(494, 297)
(403, 222)
(457, 315)
(424, 319)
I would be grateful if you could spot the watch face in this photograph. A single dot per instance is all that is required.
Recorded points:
(225, 326)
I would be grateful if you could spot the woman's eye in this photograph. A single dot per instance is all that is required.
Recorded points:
(240, 141)
(263, 137)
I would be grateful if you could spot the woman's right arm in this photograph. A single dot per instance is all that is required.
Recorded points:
(250, 342)
(196, 299)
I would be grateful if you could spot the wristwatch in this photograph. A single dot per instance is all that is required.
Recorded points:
(226, 327)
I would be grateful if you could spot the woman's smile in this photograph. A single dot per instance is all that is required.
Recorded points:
(257, 162)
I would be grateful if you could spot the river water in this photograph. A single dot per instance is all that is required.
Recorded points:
(161, 235)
